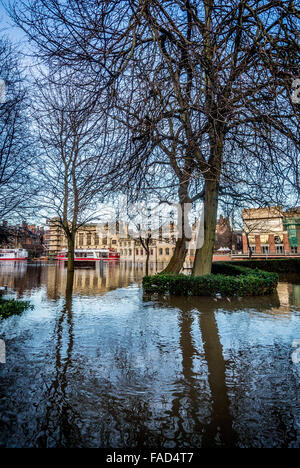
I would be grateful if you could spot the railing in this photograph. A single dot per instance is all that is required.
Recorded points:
(265, 256)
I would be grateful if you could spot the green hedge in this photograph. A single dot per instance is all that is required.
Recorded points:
(226, 279)
(10, 307)
(278, 265)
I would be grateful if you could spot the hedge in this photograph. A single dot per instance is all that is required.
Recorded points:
(10, 307)
(226, 279)
(278, 265)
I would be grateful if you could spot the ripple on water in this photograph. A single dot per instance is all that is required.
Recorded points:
(114, 368)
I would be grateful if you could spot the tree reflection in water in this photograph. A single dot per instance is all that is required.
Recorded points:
(219, 430)
(221, 425)
(60, 424)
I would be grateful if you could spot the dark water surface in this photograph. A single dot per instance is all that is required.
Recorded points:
(111, 368)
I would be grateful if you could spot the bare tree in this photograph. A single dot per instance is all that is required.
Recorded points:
(17, 152)
(139, 216)
(215, 81)
(218, 69)
(75, 156)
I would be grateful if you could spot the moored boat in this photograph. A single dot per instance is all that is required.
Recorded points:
(13, 254)
(90, 255)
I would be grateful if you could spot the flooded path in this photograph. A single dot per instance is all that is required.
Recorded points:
(111, 367)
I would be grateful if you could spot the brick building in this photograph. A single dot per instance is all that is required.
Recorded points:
(25, 236)
(271, 231)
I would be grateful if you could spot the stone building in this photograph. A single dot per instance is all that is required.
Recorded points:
(120, 237)
(116, 236)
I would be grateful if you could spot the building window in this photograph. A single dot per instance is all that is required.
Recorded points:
(167, 251)
(125, 252)
(104, 240)
(142, 252)
(160, 251)
(137, 251)
(114, 241)
(121, 251)
(294, 250)
(265, 249)
(279, 249)
(151, 252)
(89, 238)
(130, 252)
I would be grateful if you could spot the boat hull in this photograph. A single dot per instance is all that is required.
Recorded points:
(62, 259)
(13, 255)
(14, 259)
(112, 258)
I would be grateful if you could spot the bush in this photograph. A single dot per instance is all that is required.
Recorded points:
(10, 307)
(226, 279)
(278, 265)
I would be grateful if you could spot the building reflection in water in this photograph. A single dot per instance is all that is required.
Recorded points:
(21, 277)
(11, 273)
(89, 281)
(96, 279)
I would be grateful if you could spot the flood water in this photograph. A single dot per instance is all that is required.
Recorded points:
(111, 367)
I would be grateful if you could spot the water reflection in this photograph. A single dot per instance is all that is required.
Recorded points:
(94, 280)
(219, 429)
(97, 364)
(59, 426)
(221, 425)
(103, 277)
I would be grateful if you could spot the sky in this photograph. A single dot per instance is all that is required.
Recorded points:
(17, 36)
(7, 27)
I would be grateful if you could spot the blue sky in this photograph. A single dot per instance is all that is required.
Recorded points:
(6, 25)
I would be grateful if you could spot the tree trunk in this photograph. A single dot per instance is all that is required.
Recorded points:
(249, 248)
(69, 287)
(203, 258)
(71, 248)
(177, 260)
(178, 257)
(147, 261)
